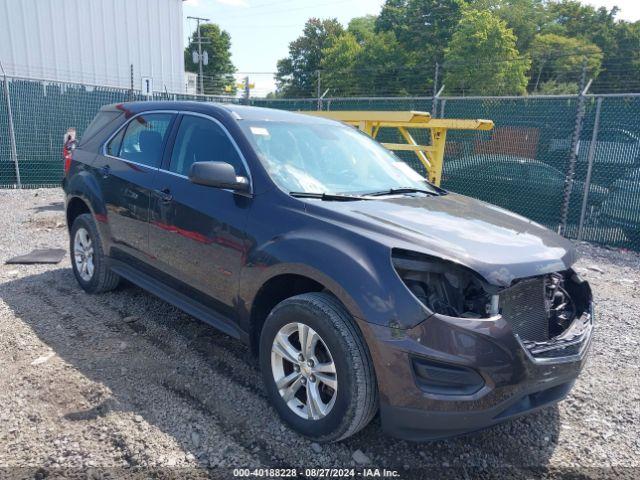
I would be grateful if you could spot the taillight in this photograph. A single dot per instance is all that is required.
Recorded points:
(69, 145)
(67, 155)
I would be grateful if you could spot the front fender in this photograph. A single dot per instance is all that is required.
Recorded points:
(356, 270)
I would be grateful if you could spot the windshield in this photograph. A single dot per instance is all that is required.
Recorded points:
(329, 159)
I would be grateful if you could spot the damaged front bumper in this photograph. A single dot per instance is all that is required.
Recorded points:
(568, 347)
(449, 376)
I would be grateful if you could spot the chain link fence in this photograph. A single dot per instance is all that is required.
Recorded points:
(521, 165)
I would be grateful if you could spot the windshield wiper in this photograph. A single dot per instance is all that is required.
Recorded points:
(395, 191)
(327, 196)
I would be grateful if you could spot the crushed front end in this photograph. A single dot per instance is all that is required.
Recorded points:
(486, 354)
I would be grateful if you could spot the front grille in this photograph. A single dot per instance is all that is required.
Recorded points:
(523, 306)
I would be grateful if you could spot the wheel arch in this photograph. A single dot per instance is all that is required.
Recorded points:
(287, 284)
(76, 206)
(83, 195)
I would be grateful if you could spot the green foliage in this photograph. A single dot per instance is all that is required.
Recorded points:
(561, 59)
(483, 47)
(374, 65)
(381, 67)
(621, 65)
(524, 17)
(422, 27)
(572, 18)
(297, 74)
(471, 69)
(339, 65)
(362, 27)
(552, 87)
(219, 72)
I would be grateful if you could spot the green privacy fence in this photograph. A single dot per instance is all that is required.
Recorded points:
(521, 165)
(41, 113)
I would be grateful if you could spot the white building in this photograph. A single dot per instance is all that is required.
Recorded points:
(95, 41)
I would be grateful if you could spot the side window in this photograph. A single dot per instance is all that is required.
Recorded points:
(202, 140)
(113, 147)
(144, 137)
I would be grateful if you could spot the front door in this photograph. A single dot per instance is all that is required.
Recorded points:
(126, 171)
(197, 233)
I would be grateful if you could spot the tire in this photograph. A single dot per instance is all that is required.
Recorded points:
(99, 278)
(339, 412)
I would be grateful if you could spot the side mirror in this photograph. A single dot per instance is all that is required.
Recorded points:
(219, 175)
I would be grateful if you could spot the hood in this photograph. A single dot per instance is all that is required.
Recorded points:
(499, 245)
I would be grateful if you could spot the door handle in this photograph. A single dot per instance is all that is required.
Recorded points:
(164, 195)
(105, 171)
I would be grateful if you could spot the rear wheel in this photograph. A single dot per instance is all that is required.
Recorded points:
(316, 368)
(88, 259)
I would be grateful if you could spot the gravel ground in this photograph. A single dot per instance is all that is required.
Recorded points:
(122, 384)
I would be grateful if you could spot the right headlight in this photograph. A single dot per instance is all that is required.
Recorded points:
(445, 287)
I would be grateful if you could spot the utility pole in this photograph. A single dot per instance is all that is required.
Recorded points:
(200, 59)
(247, 90)
(319, 91)
(434, 102)
(131, 83)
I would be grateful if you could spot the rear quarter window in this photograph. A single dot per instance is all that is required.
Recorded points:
(98, 124)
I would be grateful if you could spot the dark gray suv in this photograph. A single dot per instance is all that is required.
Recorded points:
(361, 287)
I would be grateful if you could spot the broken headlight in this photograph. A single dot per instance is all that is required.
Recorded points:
(446, 287)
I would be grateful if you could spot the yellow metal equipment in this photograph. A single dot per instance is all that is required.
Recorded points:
(431, 156)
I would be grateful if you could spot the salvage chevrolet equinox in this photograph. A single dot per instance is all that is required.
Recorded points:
(361, 287)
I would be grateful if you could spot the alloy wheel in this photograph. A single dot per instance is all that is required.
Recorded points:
(304, 371)
(83, 254)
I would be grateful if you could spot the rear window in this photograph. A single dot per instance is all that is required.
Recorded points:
(100, 121)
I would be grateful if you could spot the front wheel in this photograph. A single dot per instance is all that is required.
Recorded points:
(317, 369)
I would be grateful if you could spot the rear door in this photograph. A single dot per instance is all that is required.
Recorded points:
(125, 172)
(197, 233)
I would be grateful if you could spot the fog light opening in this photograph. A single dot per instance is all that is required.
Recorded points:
(445, 379)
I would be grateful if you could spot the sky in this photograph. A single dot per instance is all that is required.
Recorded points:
(262, 29)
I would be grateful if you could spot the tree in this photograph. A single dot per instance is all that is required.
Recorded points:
(297, 74)
(488, 47)
(422, 27)
(524, 17)
(575, 19)
(482, 58)
(218, 74)
(374, 66)
(618, 41)
(621, 65)
(381, 67)
(551, 87)
(561, 59)
(338, 64)
(362, 27)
